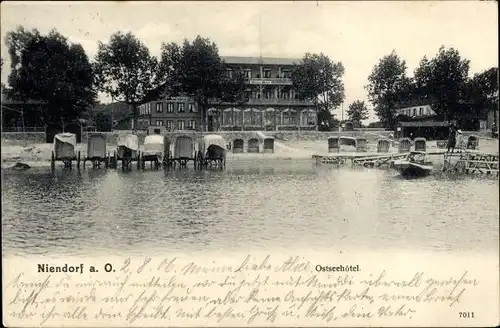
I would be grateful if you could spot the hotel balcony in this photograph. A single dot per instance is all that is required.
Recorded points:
(269, 81)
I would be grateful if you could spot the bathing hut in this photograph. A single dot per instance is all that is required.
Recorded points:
(238, 146)
(347, 144)
(211, 148)
(183, 149)
(333, 145)
(268, 145)
(64, 149)
(420, 144)
(127, 150)
(383, 145)
(253, 146)
(473, 142)
(154, 150)
(96, 149)
(441, 144)
(361, 144)
(404, 145)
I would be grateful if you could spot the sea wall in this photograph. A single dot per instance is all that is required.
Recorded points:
(25, 138)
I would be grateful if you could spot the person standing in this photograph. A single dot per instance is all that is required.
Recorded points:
(452, 138)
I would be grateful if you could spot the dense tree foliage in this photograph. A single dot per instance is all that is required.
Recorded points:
(357, 112)
(195, 69)
(319, 79)
(482, 94)
(388, 86)
(50, 69)
(16, 42)
(443, 80)
(126, 71)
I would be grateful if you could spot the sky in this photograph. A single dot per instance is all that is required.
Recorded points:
(356, 33)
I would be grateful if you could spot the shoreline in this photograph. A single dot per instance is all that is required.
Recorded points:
(39, 154)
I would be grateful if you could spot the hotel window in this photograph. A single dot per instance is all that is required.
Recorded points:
(227, 117)
(414, 112)
(229, 73)
(180, 107)
(170, 108)
(257, 118)
(159, 107)
(267, 73)
(286, 74)
(159, 123)
(191, 108)
(170, 125)
(180, 125)
(285, 94)
(421, 111)
(192, 124)
(247, 73)
(311, 118)
(268, 94)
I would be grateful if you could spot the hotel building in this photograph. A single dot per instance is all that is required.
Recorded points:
(272, 103)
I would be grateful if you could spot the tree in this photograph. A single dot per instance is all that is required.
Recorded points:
(16, 42)
(195, 69)
(443, 79)
(319, 79)
(103, 122)
(388, 86)
(482, 93)
(54, 71)
(126, 71)
(357, 112)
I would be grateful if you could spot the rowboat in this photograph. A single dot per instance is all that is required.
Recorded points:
(415, 165)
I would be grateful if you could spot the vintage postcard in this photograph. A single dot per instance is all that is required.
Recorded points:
(250, 164)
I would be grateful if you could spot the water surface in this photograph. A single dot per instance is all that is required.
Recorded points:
(250, 205)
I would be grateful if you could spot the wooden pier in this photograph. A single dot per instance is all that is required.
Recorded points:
(471, 162)
(361, 159)
(379, 160)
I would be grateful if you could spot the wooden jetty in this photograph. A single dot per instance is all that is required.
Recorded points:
(471, 162)
(359, 159)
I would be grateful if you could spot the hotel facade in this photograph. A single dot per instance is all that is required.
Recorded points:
(272, 102)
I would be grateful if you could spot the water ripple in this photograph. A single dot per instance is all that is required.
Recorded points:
(249, 205)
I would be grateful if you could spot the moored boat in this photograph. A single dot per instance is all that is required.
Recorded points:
(415, 165)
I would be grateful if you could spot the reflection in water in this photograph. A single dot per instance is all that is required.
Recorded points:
(247, 205)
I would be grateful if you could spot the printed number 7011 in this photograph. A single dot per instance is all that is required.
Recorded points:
(466, 314)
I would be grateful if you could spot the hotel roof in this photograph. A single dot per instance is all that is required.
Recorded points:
(260, 60)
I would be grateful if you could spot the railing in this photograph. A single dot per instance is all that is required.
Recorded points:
(270, 102)
(25, 129)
